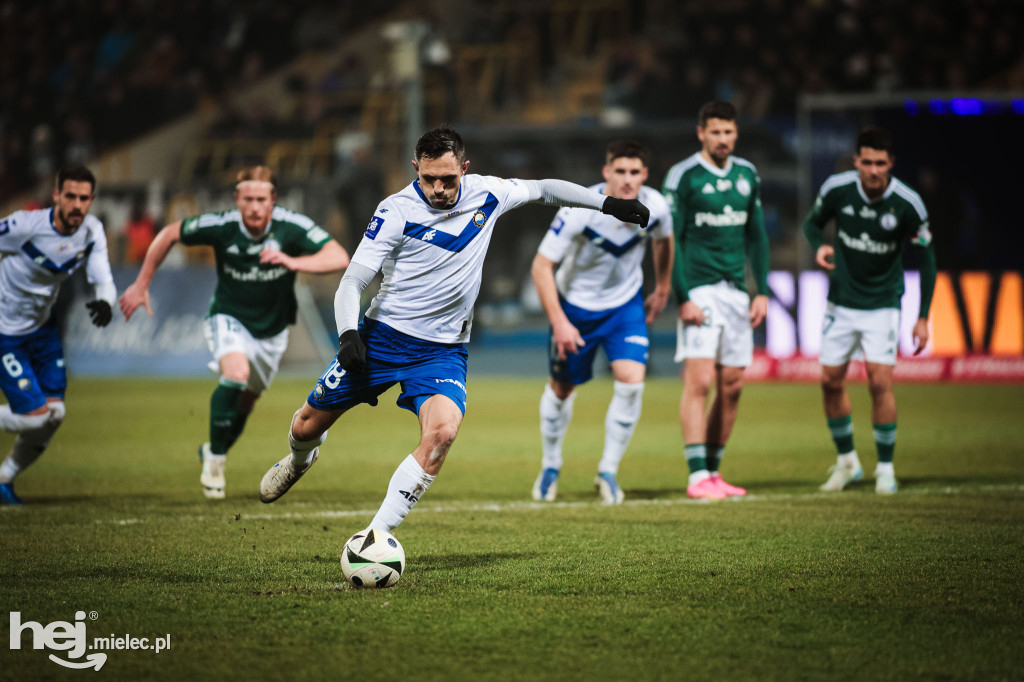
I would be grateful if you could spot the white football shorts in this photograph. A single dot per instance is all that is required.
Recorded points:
(725, 336)
(845, 330)
(224, 334)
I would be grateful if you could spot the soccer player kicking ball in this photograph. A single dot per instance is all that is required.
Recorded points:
(595, 301)
(39, 250)
(259, 248)
(875, 216)
(716, 213)
(430, 240)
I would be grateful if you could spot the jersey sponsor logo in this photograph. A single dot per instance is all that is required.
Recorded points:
(847, 210)
(867, 213)
(866, 244)
(374, 227)
(743, 186)
(708, 189)
(429, 236)
(726, 218)
(888, 222)
(255, 274)
(723, 184)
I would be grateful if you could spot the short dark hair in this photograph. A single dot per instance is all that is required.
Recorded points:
(874, 137)
(716, 109)
(75, 172)
(627, 149)
(435, 143)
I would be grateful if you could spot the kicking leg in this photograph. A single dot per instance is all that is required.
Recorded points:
(307, 432)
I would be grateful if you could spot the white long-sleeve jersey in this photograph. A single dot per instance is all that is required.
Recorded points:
(37, 259)
(601, 257)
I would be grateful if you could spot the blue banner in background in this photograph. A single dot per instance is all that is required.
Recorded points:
(169, 343)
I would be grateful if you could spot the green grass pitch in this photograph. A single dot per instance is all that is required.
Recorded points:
(789, 584)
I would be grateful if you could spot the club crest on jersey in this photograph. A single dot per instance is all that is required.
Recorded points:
(271, 245)
(374, 227)
(888, 221)
(743, 186)
(479, 218)
(318, 391)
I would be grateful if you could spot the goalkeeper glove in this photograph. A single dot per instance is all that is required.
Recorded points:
(351, 352)
(627, 210)
(99, 311)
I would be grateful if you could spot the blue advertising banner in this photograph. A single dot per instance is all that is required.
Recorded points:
(169, 343)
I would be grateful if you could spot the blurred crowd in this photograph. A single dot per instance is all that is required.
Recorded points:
(78, 77)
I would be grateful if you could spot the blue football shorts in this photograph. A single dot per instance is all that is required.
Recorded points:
(423, 368)
(32, 368)
(622, 332)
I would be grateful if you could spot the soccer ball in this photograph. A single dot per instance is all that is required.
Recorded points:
(372, 558)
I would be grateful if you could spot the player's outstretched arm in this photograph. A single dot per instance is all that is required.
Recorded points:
(566, 337)
(138, 293)
(330, 258)
(565, 193)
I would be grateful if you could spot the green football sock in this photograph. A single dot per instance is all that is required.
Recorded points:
(714, 456)
(225, 407)
(842, 433)
(885, 441)
(696, 457)
(237, 427)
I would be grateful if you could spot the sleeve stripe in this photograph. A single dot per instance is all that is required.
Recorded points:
(675, 173)
(912, 197)
(837, 180)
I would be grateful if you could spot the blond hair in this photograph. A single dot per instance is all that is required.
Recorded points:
(257, 174)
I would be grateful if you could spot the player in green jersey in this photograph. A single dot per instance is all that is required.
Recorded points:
(875, 216)
(259, 248)
(715, 199)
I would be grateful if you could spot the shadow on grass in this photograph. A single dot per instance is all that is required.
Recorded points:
(446, 562)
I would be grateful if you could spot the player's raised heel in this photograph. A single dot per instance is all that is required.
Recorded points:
(609, 489)
(282, 476)
(7, 495)
(212, 478)
(729, 489)
(840, 477)
(545, 488)
(886, 484)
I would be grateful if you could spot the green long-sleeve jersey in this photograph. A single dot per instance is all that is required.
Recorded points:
(718, 224)
(870, 238)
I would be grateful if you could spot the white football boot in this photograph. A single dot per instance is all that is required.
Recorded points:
(885, 483)
(212, 478)
(282, 476)
(841, 477)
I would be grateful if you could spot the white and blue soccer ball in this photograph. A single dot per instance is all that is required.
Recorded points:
(372, 558)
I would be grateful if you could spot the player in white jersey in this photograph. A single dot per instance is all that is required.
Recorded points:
(596, 301)
(429, 240)
(39, 250)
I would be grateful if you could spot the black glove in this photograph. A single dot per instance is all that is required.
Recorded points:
(627, 210)
(352, 352)
(99, 312)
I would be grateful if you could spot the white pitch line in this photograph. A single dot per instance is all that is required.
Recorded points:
(496, 506)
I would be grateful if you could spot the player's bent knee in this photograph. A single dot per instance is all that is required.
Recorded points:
(57, 412)
(18, 423)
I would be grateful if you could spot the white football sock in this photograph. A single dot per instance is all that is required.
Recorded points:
(884, 468)
(27, 448)
(555, 415)
(302, 450)
(619, 424)
(407, 486)
(18, 423)
(848, 460)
